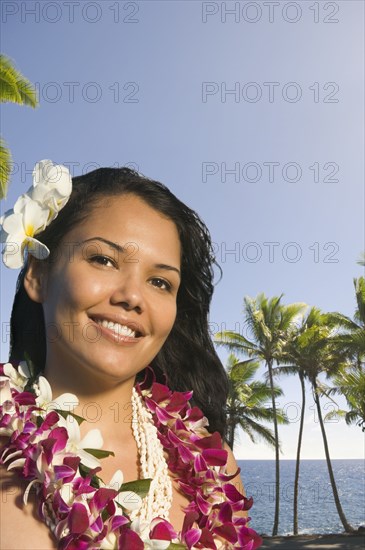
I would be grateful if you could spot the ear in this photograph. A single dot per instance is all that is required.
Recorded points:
(35, 279)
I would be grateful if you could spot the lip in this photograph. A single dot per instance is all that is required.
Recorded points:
(111, 335)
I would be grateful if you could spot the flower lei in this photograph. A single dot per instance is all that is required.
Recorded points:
(85, 513)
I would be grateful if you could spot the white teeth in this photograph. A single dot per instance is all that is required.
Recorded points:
(120, 330)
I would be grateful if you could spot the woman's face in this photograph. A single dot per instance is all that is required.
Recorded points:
(110, 298)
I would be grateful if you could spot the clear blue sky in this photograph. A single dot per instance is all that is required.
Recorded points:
(253, 117)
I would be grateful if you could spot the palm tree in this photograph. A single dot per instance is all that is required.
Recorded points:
(352, 338)
(270, 323)
(350, 382)
(298, 356)
(14, 88)
(314, 353)
(350, 379)
(246, 404)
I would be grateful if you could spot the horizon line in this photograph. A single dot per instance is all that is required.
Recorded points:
(294, 459)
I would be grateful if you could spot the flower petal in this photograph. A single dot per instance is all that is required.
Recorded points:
(118, 521)
(27, 491)
(35, 217)
(19, 463)
(225, 513)
(231, 493)
(13, 223)
(45, 391)
(5, 392)
(215, 457)
(72, 428)
(40, 171)
(66, 492)
(227, 532)
(116, 481)
(192, 536)
(65, 402)
(13, 252)
(23, 370)
(129, 500)
(37, 249)
(158, 544)
(22, 201)
(9, 371)
(101, 498)
(162, 530)
(63, 471)
(92, 440)
(129, 540)
(51, 181)
(203, 505)
(78, 520)
(88, 460)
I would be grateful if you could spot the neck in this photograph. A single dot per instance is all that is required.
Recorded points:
(103, 403)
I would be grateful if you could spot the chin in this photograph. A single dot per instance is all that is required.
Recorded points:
(112, 368)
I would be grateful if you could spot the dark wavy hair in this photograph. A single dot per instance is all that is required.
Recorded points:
(188, 358)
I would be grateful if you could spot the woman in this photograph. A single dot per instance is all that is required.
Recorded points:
(115, 290)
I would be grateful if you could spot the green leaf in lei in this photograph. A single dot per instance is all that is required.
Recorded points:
(140, 486)
(99, 453)
(78, 418)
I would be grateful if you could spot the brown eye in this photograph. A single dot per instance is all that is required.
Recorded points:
(162, 284)
(102, 260)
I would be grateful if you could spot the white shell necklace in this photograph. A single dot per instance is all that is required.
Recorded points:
(153, 464)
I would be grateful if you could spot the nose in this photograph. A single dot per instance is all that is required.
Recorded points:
(129, 294)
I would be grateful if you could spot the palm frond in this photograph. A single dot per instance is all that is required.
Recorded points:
(353, 417)
(253, 428)
(342, 321)
(14, 87)
(352, 344)
(261, 392)
(234, 341)
(287, 369)
(5, 168)
(334, 415)
(244, 371)
(291, 313)
(266, 414)
(359, 285)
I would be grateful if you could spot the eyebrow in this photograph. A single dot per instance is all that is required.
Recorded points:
(122, 250)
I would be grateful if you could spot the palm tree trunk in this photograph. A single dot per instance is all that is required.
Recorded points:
(277, 465)
(296, 480)
(340, 512)
(231, 430)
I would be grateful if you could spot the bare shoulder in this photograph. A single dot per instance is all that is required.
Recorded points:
(20, 527)
(232, 468)
(232, 465)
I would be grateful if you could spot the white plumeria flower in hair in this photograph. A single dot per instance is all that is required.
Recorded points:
(27, 218)
(33, 211)
(52, 186)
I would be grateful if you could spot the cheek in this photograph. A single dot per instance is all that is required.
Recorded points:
(166, 322)
(87, 291)
(71, 293)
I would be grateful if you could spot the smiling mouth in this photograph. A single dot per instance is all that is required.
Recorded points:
(118, 329)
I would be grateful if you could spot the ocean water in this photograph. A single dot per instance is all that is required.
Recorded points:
(316, 506)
